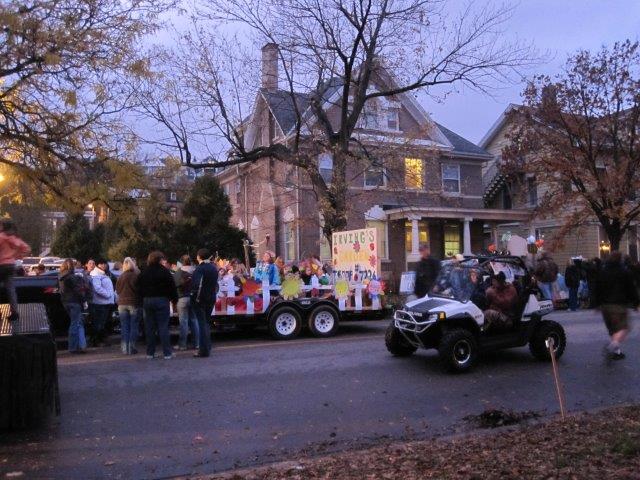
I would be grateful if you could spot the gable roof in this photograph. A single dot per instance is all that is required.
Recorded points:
(460, 144)
(497, 126)
(283, 106)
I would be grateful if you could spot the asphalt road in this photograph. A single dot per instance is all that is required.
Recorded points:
(257, 400)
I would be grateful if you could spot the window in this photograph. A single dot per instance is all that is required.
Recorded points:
(238, 190)
(451, 239)
(392, 120)
(413, 173)
(289, 242)
(381, 227)
(423, 234)
(325, 166)
(374, 175)
(173, 212)
(173, 196)
(225, 187)
(369, 116)
(532, 192)
(451, 178)
(507, 203)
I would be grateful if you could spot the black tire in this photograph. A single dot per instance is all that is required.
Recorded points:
(323, 321)
(397, 345)
(285, 323)
(458, 350)
(537, 343)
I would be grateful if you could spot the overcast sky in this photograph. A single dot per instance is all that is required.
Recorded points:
(558, 26)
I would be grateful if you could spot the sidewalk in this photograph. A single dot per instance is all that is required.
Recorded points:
(605, 444)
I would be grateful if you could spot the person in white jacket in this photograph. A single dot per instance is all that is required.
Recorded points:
(102, 302)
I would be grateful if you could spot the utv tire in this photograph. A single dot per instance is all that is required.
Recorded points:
(458, 350)
(537, 344)
(397, 345)
(323, 321)
(285, 323)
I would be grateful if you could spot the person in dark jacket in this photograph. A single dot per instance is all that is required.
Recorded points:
(591, 272)
(157, 290)
(186, 315)
(616, 292)
(572, 277)
(546, 273)
(128, 305)
(204, 284)
(72, 298)
(426, 271)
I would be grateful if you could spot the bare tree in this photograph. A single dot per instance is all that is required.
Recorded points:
(341, 55)
(579, 136)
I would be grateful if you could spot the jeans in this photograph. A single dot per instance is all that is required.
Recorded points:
(546, 289)
(188, 320)
(156, 318)
(203, 313)
(128, 328)
(573, 299)
(77, 340)
(6, 278)
(99, 315)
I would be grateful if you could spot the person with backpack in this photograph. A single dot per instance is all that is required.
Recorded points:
(128, 305)
(204, 284)
(12, 248)
(102, 302)
(72, 293)
(186, 314)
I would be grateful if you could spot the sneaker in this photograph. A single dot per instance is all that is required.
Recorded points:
(617, 355)
(179, 348)
(151, 357)
(168, 357)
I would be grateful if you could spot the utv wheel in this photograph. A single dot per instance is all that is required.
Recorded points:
(323, 321)
(458, 350)
(396, 343)
(285, 323)
(547, 330)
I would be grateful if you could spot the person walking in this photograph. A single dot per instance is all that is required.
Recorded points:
(186, 314)
(615, 292)
(72, 297)
(546, 273)
(157, 290)
(102, 302)
(12, 248)
(204, 284)
(128, 305)
(426, 271)
(572, 276)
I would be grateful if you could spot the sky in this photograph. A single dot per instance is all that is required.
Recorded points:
(559, 27)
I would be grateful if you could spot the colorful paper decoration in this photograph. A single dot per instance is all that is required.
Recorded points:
(341, 288)
(291, 287)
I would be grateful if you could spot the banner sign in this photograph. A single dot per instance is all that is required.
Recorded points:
(356, 251)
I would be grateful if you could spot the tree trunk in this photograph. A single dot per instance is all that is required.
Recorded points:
(614, 234)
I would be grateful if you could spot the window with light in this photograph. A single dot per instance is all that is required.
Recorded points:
(423, 234)
(413, 173)
(451, 239)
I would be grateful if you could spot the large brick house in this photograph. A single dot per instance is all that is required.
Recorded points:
(424, 186)
(523, 192)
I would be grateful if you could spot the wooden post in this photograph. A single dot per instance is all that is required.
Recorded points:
(554, 365)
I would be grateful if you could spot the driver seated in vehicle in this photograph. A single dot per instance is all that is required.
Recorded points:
(502, 298)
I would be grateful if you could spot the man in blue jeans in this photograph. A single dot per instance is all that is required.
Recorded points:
(186, 315)
(204, 285)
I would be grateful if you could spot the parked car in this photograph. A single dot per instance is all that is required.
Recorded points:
(447, 319)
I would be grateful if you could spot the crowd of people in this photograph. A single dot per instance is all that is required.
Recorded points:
(147, 294)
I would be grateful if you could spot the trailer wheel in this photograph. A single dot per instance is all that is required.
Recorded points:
(285, 323)
(323, 321)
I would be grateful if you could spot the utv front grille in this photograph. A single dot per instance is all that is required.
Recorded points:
(407, 322)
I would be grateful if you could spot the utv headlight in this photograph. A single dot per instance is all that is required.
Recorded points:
(433, 317)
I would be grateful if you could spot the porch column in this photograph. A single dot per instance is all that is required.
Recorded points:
(494, 234)
(415, 235)
(466, 236)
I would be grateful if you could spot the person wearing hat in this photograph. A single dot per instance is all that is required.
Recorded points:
(426, 271)
(502, 298)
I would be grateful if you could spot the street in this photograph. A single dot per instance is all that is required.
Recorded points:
(257, 400)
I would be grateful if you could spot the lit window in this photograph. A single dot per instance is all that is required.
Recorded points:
(289, 242)
(423, 234)
(451, 178)
(451, 239)
(413, 173)
(174, 213)
(173, 196)
(325, 166)
(374, 175)
(381, 227)
(392, 120)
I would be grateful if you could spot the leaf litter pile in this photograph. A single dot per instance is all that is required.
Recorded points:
(600, 445)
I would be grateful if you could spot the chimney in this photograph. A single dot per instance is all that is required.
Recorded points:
(270, 67)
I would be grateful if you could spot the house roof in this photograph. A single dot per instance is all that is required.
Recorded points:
(283, 106)
(497, 126)
(460, 144)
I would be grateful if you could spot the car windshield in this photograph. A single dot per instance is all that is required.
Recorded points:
(458, 281)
